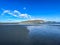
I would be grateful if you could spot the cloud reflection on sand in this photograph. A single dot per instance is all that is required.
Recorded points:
(44, 35)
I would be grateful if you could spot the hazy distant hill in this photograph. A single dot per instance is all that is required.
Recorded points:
(32, 22)
(52, 22)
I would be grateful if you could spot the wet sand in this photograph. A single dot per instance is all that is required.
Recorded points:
(13, 35)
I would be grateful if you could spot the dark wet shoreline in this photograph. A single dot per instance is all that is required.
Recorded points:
(13, 34)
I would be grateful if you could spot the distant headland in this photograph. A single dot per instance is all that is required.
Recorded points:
(32, 22)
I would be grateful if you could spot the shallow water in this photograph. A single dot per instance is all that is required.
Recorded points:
(44, 34)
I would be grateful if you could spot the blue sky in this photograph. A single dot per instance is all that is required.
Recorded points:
(19, 10)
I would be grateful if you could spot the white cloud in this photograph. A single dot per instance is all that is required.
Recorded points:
(16, 13)
(5, 11)
(25, 16)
